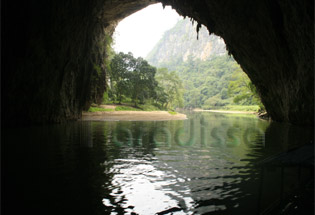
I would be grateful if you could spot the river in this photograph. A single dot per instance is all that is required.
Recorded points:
(208, 164)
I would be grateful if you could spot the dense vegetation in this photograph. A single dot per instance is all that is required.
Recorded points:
(134, 80)
(188, 73)
(216, 83)
(131, 78)
(211, 78)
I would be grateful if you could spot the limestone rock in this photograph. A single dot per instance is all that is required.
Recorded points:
(53, 66)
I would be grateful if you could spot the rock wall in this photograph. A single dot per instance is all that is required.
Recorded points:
(53, 57)
(53, 61)
(180, 43)
(273, 40)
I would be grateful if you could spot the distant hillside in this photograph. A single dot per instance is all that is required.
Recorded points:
(180, 43)
(210, 77)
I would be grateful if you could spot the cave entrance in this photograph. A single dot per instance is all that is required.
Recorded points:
(59, 54)
(52, 57)
(196, 64)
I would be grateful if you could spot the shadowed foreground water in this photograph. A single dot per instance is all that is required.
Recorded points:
(203, 165)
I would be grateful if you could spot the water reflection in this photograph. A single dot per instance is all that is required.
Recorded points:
(207, 164)
(141, 186)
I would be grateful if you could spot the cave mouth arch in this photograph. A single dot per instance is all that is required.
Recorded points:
(139, 32)
(50, 51)
(176, 44)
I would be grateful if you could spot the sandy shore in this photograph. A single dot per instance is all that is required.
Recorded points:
(131, 116)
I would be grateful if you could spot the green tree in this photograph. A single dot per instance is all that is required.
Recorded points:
(170, 91)
(209, 83)
(160, 96)
(142, 80)
(243, 90)
(119, 76)
(131, 77)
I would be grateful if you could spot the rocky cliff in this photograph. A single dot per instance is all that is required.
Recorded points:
(183, 42)
(273, 41)
(54, 57)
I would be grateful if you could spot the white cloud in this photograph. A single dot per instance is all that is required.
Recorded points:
(139, 32)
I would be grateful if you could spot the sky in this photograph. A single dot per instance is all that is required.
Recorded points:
(139, 32)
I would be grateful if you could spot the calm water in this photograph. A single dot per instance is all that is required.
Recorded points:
(203, 165)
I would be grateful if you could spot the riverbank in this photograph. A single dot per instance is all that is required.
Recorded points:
(225, 111)
(111, 114)
(260, 115)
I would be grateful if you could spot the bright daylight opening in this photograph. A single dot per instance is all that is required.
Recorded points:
(139, 32)
(158, 62)
(170, 123)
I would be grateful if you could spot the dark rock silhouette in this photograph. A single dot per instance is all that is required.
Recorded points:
(53, 53)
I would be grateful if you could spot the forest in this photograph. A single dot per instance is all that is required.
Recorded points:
(180, 72)
(134, 80)
(217, 83)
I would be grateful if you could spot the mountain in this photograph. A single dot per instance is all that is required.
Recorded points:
(180, 43)
(210, 77)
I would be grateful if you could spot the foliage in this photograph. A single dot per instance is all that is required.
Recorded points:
(169, 92)
(214, 83)
(211, 79)
(101, 68)
(149, 107)
(126, 108)
(97, 109)
(254, 108)
(105, 98)
(243, 90)
(217, 83)
(143, 107)
(172, 112)
(204, 81)
(131, 77)
(143, 82)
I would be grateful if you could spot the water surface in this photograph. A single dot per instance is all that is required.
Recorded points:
(203, 165)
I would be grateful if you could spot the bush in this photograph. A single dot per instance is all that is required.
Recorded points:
(98, 109)
(105, 98)
(149, 107)
(172, 112)
(126, 108)
(255, 108)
